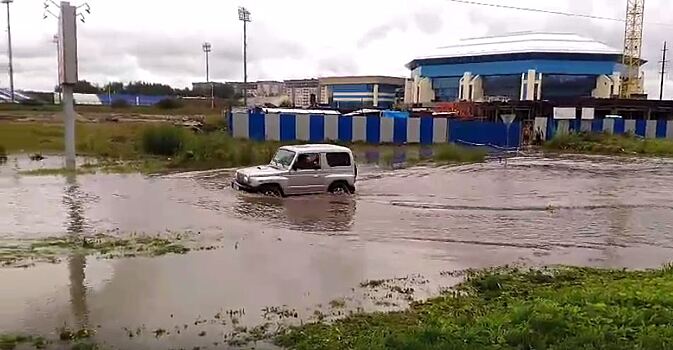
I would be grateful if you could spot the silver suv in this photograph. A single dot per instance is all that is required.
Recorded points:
(301, 169)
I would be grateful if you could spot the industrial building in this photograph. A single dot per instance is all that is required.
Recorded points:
(517, 67)
(354, 92)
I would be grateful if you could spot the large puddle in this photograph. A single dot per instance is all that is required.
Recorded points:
(307, 251)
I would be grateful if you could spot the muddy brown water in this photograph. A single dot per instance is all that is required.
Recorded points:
(303, 252)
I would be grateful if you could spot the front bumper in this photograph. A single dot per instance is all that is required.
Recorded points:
(243, 187)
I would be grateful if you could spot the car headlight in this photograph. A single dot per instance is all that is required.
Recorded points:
(246, 178)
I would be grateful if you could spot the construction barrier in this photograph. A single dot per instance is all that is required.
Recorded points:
(317, 127)
(644, 128)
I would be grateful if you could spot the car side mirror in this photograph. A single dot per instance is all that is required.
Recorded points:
(294, 167)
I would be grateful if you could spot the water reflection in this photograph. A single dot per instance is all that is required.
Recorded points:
(77, 260)
(311, 213)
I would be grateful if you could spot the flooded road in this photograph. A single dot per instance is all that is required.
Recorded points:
(304, 252)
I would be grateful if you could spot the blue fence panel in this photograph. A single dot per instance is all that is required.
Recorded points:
(316, 128)
(575, 125)
(514, 135)
(288, 127)
(551, 129)
(619, 126)
(373, 127)
(641, 127)
(345, 129)
(400, 130)
(484, 133)
(597, 125)
(256, 126)
(426, 130)
(661, 128)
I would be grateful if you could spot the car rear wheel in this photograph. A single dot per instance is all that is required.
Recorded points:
(271, 191)
(339, 188)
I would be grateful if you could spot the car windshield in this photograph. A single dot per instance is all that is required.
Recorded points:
(283, 158)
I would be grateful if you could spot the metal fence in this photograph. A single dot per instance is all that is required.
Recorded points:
(316, 127)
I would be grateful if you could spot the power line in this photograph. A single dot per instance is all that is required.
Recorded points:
(549, 12)
(528, 9)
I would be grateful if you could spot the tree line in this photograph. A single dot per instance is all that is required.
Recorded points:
(152, 89)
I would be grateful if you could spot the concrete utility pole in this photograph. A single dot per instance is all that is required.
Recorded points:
(206, 49)
(68, 76)
(663, 72)
(9, 51)
(244, 15)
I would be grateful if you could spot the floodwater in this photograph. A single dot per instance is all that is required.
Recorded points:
(304, 252)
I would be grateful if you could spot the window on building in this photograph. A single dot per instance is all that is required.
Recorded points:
(446, 89)
(338, 159)
(503, 86)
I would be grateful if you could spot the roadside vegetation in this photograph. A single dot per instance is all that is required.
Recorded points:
(507, 308)
(24, 253)
(157, 146)
(600, 143)
(452, 153)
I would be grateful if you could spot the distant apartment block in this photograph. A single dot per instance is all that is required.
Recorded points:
(269, 88)
(302, 93)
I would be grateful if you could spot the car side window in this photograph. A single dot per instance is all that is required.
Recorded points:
(308, 161)
(337, 159)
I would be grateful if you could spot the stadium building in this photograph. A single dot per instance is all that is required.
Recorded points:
(516, 67)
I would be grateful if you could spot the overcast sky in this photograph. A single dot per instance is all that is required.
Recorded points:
(160, 40)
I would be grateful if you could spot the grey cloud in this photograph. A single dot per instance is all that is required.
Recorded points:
(338, 65)
(428, 22)
(380, 32)
(124, 54)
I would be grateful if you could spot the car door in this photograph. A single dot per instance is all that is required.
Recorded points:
(307, 175)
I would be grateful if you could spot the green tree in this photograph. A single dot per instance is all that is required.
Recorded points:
(85, 87)
(145, 88)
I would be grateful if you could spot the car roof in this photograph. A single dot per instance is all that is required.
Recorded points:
(316, 148)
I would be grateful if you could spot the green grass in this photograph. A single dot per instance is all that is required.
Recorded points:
(25, 110)
(452, 153)
(114, 140)
(599, 143)
(152, 147)
(50, 250)
(12, 341)
(560, 308)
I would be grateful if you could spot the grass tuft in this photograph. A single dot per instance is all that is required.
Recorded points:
(452, 153)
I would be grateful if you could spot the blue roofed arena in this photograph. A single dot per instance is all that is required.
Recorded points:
(516, 67)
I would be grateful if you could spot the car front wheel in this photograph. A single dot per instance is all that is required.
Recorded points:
(271, 191)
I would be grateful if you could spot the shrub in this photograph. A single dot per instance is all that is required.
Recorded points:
(119, 104)
(169, 103)
(610, 144)
(32, 102)
(285, 104)
(163, 140)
